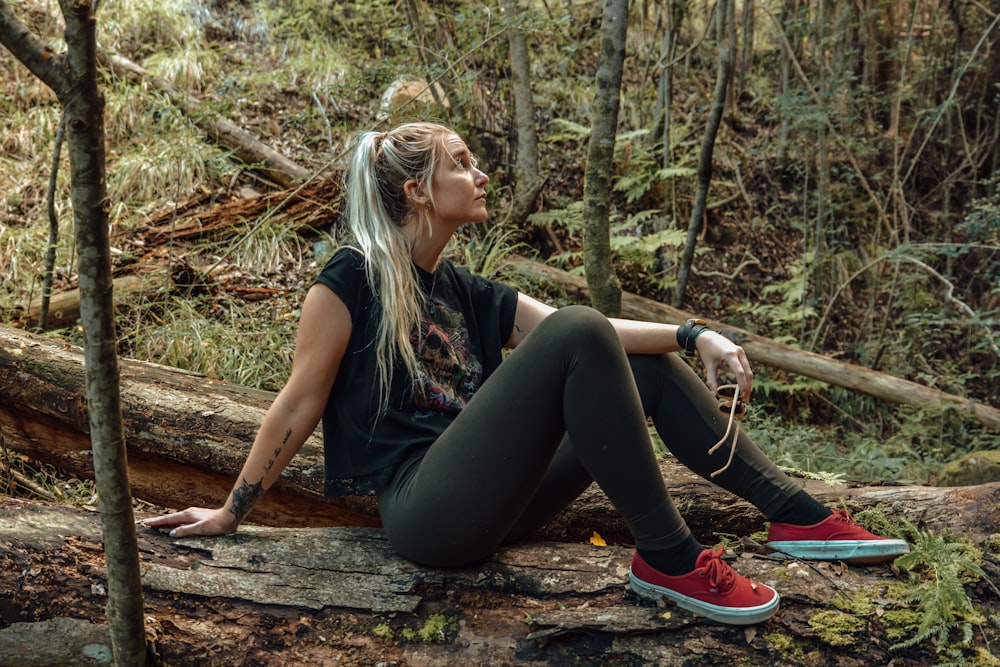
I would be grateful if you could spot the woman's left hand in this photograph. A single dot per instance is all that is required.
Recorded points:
(714, 350)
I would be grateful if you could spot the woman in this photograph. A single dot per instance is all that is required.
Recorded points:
(399, 352)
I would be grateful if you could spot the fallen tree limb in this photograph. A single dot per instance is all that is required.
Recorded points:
(341, 596)
(769, 353)
(188, 436)
(248, 148)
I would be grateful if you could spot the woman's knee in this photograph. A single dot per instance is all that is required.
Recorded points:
(579, 325)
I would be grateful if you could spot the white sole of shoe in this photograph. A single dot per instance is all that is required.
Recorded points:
(728, 615)
(870, 551)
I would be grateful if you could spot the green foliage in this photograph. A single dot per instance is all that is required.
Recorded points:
(143, 27)
(982, 225)
(820, 453)
(939, 567)
(836, 628)
(486, 253)
(793, 308)
(204, 337)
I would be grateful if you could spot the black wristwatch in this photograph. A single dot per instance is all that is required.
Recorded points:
(688, 333)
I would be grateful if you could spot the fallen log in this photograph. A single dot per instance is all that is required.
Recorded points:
(188, 435)
(341, 596)
(248, 148)
(776, 355)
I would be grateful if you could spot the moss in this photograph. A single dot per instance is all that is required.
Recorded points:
(983, 658)
(860, 604)
(900, 623)
(992, 544)
(978, 467)
(439, 628)
(785, 645)
(835, 627)
(383, 631)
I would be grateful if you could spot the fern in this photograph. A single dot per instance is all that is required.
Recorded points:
(792, 307)
(939, 567)
(566, 130)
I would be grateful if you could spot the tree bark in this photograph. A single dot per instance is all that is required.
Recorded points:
(188, 436)
(769, 353)
(341, 596)
(723, 12)
(73, 78)
(529, 182)
(604, 284)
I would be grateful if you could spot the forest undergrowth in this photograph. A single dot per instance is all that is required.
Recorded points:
(819, 271)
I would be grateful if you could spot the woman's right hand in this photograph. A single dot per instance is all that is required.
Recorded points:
(195, 521)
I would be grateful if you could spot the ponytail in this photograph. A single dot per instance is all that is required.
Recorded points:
(377, 208)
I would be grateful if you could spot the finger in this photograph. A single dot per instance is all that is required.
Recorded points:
(744, 374)
(712, 376)
(168, 520)
(182, 531)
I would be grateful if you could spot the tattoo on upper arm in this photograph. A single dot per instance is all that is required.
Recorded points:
(245, 497)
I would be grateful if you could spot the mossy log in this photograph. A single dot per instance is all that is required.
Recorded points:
(188, 436)
(340, 596)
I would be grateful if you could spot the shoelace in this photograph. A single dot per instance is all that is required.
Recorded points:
(730, 398)
(720, 575)
(843, 516)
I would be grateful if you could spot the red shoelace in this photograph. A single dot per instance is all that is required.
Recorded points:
(721, 577)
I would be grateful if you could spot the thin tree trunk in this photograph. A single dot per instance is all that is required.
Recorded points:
(528, 181)
(85, 138)
(73, 78)
(50, 195)
(604, 284)
(723, 75)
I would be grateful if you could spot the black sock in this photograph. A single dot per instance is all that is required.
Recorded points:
(800, 510)
(676, 560)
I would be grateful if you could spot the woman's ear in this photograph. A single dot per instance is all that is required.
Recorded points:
(415, 192)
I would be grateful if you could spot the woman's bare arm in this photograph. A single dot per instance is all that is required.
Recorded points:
(324, 330)
(652, 338)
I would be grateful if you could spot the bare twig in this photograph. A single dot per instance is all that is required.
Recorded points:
(50, 254)
(949, 296)
(753, 261)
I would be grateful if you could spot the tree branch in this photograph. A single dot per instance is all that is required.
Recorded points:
(32, 52)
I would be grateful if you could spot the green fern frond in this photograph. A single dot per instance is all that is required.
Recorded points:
(939, 567)
(563, 129)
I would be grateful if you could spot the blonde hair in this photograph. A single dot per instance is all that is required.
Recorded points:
(377, 208)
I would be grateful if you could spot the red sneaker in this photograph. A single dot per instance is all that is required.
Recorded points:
(712, 589)
(837, 537)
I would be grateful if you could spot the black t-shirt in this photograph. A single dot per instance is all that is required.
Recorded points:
(459, 345)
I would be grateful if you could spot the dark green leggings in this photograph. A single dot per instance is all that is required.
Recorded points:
(566, 408)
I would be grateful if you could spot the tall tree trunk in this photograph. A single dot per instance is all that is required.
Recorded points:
(528, 181)
(424, 53)
(746, 54)
(724, 12)
(606, 290)
(73, 78)
(674, 10)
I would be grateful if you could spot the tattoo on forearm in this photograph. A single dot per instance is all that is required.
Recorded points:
(245, 497)
(271, 461)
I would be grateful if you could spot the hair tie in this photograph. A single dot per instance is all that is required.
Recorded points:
(377, 141)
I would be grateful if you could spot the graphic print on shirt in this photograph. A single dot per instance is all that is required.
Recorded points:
(448, 373)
